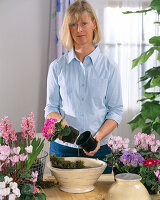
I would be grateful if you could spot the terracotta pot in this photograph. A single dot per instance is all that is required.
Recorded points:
(127, 187)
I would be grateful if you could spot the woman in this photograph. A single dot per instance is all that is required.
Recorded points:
(83, 86)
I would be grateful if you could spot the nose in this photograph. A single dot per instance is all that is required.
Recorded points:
(79, 28)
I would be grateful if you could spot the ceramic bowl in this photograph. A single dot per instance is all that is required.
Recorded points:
(79, 180)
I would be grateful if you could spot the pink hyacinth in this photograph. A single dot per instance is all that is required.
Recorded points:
(28, 126)
(7, 131)
(48, 128)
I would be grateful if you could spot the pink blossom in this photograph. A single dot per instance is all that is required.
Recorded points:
(29, 149)
(14, 159)
(133, 150)
(4, 152)
(48, 128)
(16, 150)
(34, 176)
(154, 148)
(28, 126)
(158, 142)
(157, 174)
(22, 157)
(1, 166)
(6, 130)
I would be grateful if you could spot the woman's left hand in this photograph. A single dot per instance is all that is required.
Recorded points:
(91, 153)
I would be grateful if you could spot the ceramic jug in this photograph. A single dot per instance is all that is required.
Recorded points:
(127, 187)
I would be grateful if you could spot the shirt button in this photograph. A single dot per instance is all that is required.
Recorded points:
(82, 99)
(82, 84)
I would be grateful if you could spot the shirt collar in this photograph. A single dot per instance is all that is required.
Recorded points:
(93, 55)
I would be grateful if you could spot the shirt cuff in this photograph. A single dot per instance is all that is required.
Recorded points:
(50, 109)
(114, 117)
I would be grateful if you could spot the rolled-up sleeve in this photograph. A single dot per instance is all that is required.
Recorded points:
(114, 96)
(53, 96)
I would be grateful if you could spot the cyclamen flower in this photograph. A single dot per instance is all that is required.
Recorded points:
(28, 126)
(157, 174)
(146, 142)
(14, 159)
(48, 128)
(29, 149)
(117, 144)
(7, 187)
(34, 176)
(16, 150)
(151, 162)
(22, 157)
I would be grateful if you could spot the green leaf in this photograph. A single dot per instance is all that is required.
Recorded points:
(158, 56)
(150, 110)
(156, 125)
(66, 131)
(143, 57)
(25, 176)
(156, 82)
(147, 128)
(40, 196)
(155, 41)
(151, 95)
(151, 73)
(137, 122)
(27, 189)
(138, 11)
(37, 148)
(157, 23)
(147, 85)
(155, 4)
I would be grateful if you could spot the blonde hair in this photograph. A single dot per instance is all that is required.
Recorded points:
(72, 15)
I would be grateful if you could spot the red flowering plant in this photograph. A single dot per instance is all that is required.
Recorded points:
(150, 175)
(142, 159)
(17, 181)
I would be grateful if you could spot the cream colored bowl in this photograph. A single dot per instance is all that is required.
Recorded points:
(79, 180)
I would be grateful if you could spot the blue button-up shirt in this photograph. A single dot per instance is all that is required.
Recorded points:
(85, 94)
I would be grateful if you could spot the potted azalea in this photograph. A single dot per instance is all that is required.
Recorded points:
(17, 180)
(143, 159)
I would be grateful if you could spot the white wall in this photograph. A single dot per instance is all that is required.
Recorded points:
(24, 35)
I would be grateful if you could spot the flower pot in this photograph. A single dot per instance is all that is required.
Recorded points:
(71, 138)
(86, 141)
(127, 187)
(79, 180)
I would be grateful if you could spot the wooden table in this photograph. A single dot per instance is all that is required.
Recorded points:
(101, 187)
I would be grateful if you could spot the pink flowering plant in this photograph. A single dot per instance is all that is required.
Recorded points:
(53, 129)
(17, 181)
(143, 159)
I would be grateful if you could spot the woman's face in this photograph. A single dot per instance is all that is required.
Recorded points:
(82, 30)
